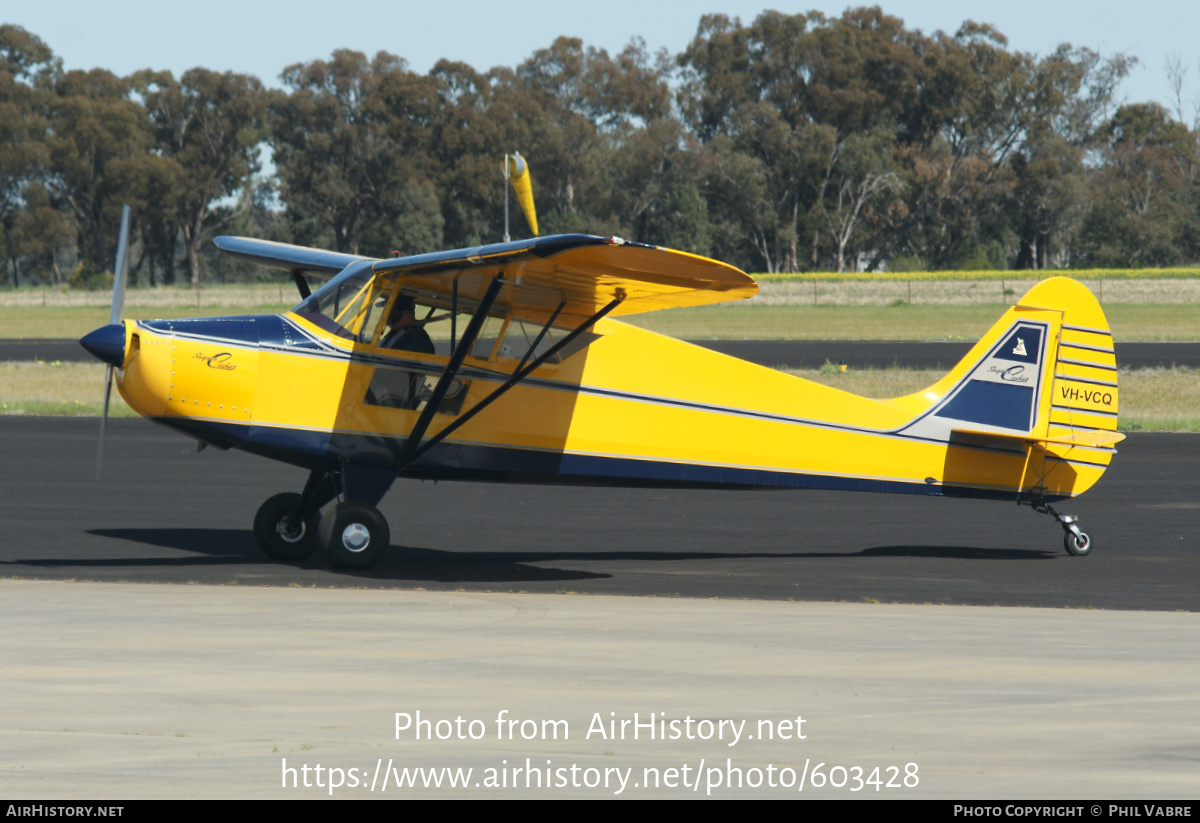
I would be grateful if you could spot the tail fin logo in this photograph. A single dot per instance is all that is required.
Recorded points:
(1013, 374)
(998, 392)
(1022, 344)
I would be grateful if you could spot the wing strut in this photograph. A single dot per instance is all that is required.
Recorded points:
(454, 315)
(456, 359)
(301, 284)
(413, 452)
(533, 346)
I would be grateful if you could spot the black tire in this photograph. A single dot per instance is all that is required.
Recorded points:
(1078, 546)
(272, 536)
(354, 536)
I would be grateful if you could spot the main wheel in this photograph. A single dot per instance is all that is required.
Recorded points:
(280, 540)
(354, 536)
(1078, 546)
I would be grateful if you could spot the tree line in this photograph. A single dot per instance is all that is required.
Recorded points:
(793, 143)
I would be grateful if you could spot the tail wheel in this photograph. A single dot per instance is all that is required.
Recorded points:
(354, 536)
(277, 536)
(1077, 544)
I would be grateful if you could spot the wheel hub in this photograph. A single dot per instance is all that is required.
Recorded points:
(292, 534)
(356, 537)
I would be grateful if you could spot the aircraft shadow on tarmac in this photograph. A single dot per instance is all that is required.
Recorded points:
(216, 547)
(235, 547)
(959, 553)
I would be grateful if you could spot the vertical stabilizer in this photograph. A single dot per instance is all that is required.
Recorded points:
(1041, 383)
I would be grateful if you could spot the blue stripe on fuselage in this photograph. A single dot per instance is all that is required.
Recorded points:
(241, 329)
(485, 463)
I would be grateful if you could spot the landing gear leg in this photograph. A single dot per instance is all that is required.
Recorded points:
(1075, 541)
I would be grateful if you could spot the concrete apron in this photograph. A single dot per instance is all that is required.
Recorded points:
(130, 691)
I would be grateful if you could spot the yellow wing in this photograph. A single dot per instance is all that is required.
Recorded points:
(581, 272)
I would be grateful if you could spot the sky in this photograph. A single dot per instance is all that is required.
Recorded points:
(263, 37)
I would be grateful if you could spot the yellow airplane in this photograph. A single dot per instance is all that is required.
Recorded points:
(541, 384)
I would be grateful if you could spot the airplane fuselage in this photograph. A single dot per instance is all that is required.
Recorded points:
(629, 408)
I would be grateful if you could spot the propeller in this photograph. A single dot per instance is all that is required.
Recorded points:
(105, 342)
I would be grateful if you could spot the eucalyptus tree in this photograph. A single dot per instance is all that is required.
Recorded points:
(652, 168)
(351, 147)
(96, 135)
(596, 129)
(972, 108)
(39, 230)
(1073, 90)
(1143, 209)
(775, 102)
(860, 186)
(27, 67)
(572, 108)
(210, 124)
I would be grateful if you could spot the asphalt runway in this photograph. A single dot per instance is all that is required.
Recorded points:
(793, 354)
(164, 513)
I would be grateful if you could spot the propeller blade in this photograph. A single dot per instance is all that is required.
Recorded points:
(114, 318)
(108, 370)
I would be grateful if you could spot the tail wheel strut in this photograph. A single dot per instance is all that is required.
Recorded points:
(1076, 541)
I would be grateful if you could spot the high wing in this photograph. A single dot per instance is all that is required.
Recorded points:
(286, 256)
(579, 272)
(298, 260)
(573, 274)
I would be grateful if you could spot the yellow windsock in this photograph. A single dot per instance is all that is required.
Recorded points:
(517, 172)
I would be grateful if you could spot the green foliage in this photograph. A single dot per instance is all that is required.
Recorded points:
(207, 127)
(682, 223)
(902, 263)
(88, 277)
(347, 139)
(981, 257)
(794, 142)
(410, 223)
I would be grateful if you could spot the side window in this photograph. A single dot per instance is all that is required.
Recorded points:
(403, 388)
(522, 335)
(493, 332)
(429, 326)
(399, 325)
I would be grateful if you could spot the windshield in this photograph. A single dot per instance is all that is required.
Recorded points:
(338, 305)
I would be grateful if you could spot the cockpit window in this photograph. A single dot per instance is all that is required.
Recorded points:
(357, 306)
(338, 306)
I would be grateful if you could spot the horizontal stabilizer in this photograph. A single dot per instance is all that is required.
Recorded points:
(1087, 438)
(1080, 437)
